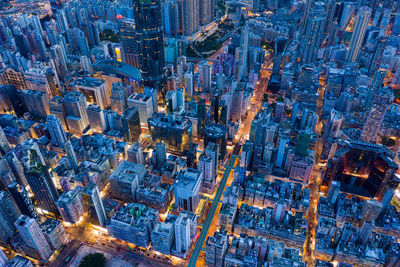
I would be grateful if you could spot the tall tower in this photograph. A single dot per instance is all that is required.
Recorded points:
(4, 144)
(92, 200)
(33, 236)
(382, 101)
(39, 179)
(150, 35)
(129, 44)
(73, 160)
(56, 130)
(24, 203)
(312, 38)
(9, 213)
(357, 38)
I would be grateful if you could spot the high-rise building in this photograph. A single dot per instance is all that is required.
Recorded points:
(313, 35)
(133, 224)
(9, 213)
(185, 231)
(206, 166)
(186, 188)
(372, 126)
(217, 134)
(71, 155)
(131, 125)
(96, 118)
(207, 9)
(161, 155)
(19, 261)
(21, 198)
(35, 102)
(283, 141)
(360, 27)
(216, 247)
(94, 90)
(33, 236)
(144, 104)
(135, 154)
(4, 144)
(40, 181)
(129, 43)
(56, 105)
(92, 200)
(174, 131)
(3, 258)
(70, 205)
(302, 143)
(56, 130)
(54, 232)
(333, 192)
(125, 179)
(363, 169)
(150, 35)
(189, 16)
(163, 235)
(171, 17)
(118, 97)
(75, 107)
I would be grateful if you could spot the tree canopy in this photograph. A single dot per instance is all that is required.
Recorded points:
(93, 260)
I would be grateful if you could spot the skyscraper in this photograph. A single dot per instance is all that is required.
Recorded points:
(24, 203)
(189, 16)
(92, 200)
(73, 160)
(129, 43)
(150, 35)
(33, 236)
(9, 213)
(372, 126)
(40, 181)
(357, 38)
(56, 130)
(70, 205)
(4, 144)
(75, 106)
(131, 125)
(118, 97)
(314, 26)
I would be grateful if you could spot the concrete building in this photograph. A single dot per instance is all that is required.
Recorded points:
(125, 179)
(186, 188)
(54, 232)
(33, 236)
(94, 205)
(185, 231)
(70, 205)
(163, 235)
(94, 90)
(144, 104)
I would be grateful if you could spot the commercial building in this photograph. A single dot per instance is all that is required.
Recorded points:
(133, 223)
(54, 232)
(94, 90)
(9, 213)
(33, 236)
(186, 188)
(92, 200)
(70, 205)
(125, 179)
(174, 131)
(144, 104)
(217, 134)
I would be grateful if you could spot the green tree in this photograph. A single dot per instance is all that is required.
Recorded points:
(93, 260)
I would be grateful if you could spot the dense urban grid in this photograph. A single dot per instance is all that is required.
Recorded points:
(253, 133)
